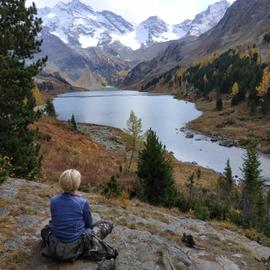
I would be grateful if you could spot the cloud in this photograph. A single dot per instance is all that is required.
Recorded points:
(172, 11)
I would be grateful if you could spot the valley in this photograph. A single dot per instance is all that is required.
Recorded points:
(166, 117)
(111, 107)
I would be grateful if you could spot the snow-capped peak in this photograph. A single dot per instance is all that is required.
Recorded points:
(204, 21)
(151, 31)
(78, 24)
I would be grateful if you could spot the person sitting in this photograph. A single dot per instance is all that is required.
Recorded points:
(71, 233)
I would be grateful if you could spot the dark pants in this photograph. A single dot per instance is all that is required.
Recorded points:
(90, 246)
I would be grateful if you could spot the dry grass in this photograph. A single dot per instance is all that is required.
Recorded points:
(252, 234)
(183, 170)
(62, 149)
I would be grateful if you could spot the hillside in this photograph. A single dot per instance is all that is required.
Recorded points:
(24, 208)
(244, 22)
(98, 152)
(228, 219)
(89, 48)
(234, 52)
(81, 68)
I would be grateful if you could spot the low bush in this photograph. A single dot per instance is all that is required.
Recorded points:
(111, 189)
(201, 212)
(3, 169)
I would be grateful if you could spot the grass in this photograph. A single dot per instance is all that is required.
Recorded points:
(63, 149)
(160, 259)
(183, 170)
(252, 234)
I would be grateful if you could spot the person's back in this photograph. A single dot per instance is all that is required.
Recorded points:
(71, 233)
(70, 217)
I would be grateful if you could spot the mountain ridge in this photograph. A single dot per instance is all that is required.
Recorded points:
(96, 48)
(245, 21)
(91, 28)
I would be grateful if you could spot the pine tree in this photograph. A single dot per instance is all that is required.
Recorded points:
(111, 188)
(3, 169)
(268, 206)
(133, 135)
(19, 28)
(252, 192)
(72, 123)
(50, 110)
(228, 176)
(219, 104)
(226, 184)
(155, 172)
(190, 185)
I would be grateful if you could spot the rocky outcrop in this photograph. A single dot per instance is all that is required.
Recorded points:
(147, 237)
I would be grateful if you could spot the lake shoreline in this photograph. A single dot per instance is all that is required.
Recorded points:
(233, 126)
(110, 139)
(180, 149)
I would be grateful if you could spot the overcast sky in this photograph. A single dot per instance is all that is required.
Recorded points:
(172, 11)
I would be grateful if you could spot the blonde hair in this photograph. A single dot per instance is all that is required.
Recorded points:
(70, 180)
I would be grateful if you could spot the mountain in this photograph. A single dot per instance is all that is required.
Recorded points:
(80, 67)
(89, 48)
(203, 21)
(154, 30)
(245, 21)
(79, 25)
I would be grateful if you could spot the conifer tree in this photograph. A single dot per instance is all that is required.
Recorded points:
(252, 192)
(111, 188)
(19, 28)
(226, 184)
(219, 104)
(133, 135)
(155, 172)
(228, 176)
(3, 169)
(50, 110)
(268, 206)
(190, 185)
(72, 123)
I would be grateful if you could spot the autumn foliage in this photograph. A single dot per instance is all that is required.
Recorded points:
(264, 86)
(62, 149)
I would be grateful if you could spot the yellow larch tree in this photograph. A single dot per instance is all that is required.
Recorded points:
(262, 89)
(235, 89)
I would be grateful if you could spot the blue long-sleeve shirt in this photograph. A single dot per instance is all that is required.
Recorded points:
(71, 216)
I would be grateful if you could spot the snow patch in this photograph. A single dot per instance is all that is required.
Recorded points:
(87, 41)
(61, 35)
(51, 15)
(129, 40)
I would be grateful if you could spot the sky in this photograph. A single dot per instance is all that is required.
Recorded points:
(172, 11)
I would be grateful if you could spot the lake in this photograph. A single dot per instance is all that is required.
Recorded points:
(163, 113)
